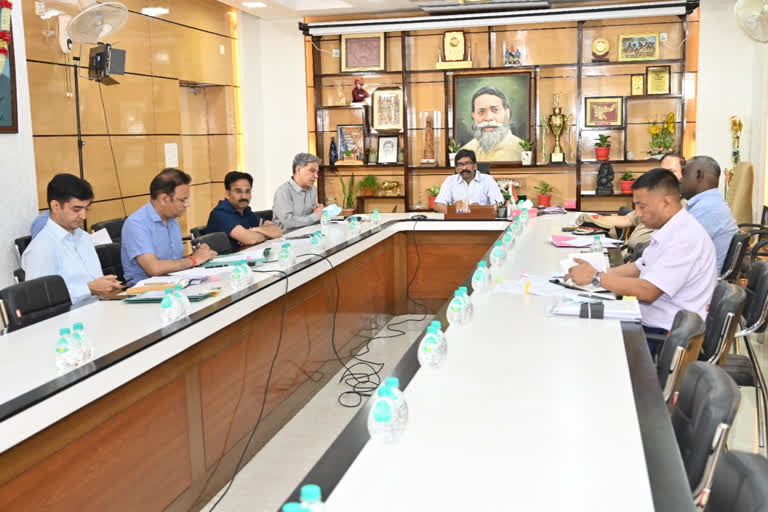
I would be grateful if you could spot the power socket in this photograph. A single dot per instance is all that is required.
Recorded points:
(335, 53)
(663, 37)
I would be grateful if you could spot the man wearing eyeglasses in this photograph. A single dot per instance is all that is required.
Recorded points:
(468, 185)
(151, 237)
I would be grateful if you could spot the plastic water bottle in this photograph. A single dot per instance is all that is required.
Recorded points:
(78, 335)
(236, 278)
(294, 507)
(66, 357)
(376, 218)
(456, 311)
(312, 498)
(469, 309)
(397, 396)
(597, 245)
(182, 300)
(247, 274)
(316, 249)
(524, 216)
(498, 254)
(440, 334)
(383, 421)
(481, 279)
(287, 258)
(432, 349)
(167, 310)
(353, 226)
(508, 239)
(325, 222)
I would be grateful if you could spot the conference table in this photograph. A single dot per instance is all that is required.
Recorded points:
(530, 410)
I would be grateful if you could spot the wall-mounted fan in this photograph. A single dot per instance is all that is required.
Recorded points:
(84, 21)
(752, 16)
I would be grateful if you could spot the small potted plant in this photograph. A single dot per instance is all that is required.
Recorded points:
(603, 147)
(453, 148)
(432, 195)
(348, 196)
(526, 155)
(626, 182)
(369, 186)
(545, 193)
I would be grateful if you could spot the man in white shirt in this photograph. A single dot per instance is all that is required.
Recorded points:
(468, 184)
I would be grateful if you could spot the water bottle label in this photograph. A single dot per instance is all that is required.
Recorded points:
(62, 347)
(456, 305)
(284, 254)
(382, 412)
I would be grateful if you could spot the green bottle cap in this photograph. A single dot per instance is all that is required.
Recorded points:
(497, 243)
(392, 382)
(293, 507)
(168, 291)
(482, 263)
(286, 245)
(375, 210)
(64, 331)
(311, 492)
(78, 326)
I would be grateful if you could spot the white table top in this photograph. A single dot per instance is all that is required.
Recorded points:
(27, 365)
(529, 409)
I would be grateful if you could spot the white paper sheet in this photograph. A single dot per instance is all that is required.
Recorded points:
(101, 237)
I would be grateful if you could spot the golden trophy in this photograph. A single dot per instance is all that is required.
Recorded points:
(736, 127)
(557, 123)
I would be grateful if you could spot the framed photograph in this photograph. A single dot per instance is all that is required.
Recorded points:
(637, 85)
(387, 109)
(634, 47)
(388, 147)
(454, 46)
(8, 112)
(351, 142)
(362, 52)
(607, 111)
(492, 114)
(657, 78)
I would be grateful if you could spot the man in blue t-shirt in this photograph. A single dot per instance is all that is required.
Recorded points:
(234, 217)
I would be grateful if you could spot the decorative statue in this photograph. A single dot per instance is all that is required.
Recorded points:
(736, 126)
(358, 93)
(605, 180)
(341, 96)
(428, 155)
(333, 154)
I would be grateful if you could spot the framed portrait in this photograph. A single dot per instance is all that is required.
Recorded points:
(388, 147)
(604, 111)
(633, 47)
(657, 78)
(387, 104)
(362, 52)
(351, 144)
(8, 112)
(637, 85)
(492, 114)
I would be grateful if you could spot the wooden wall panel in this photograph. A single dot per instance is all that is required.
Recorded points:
(540, 46)
(220, 106)
(138, 460)
(53, 155)
(193, 111)
(201, 14)
(167, 105)
(129, 106)
(197, 164)
(199, 205)
(134, 203)
(612, 29)
(165, 52)
(99, 169)
(223, 155)
(53, 112)
(106, 210)
(40, 36)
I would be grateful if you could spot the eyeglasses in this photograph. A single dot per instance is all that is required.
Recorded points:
(461, 165)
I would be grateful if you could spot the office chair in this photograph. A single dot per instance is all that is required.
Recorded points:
(19, 275)
(740, 484)
(264, 214)
(704, 412)
(745, 369)
(217, 241)
(109, 257)
(198, 231)
(681, 347)
(733, 258)
(21, 245)
(637, 252)
(32, 301)
(114, 228)
(621, 233)
(722, 320)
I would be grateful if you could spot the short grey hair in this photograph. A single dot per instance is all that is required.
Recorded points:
(303, 159)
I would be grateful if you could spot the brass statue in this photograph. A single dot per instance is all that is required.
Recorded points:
(428, 155)
(557, 123)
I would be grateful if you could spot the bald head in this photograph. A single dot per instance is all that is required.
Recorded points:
(701, 173)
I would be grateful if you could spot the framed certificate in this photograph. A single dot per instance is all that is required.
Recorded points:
(604, 111)
(657, 78)
(637, 85)
(362, 52)
(633, 47)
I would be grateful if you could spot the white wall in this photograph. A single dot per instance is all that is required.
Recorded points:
(733, 80)
(17, 164)
(273, 89)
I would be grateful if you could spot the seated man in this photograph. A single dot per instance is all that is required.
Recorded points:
(676, 271)
(151, 236)
(701, 176)
(62, 248)
(295, 204)
(641, 234)
(468, 184)
(234, 217)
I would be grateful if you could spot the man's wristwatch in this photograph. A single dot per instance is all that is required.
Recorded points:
(596, 279)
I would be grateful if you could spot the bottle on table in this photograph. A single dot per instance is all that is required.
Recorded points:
(168, 310)
(376, 218)
(312, 498)
(481, 279)
(508, 239)
(66, 357)
(456, 310)
(382, 420)
(78, 334)
(397, 396)
(597, 245)
(294, 507)
(353, 225)
(287, 258)
(184, 305)
(469, 309)
(432, 350)
(325, 222)
(524, 216)
(316, 249)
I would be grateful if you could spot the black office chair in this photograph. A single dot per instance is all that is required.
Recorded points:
(198, 231)
(731, 270)
(704, 412)
(745, 369)
(32, 301)
(21, 245)
(740, 484)
(621, 232)
(681, 347)
(264, 214)
(725, 310)
(637, 252)
(19, 275)
(114, 228)
(109, 257)
(217, 241)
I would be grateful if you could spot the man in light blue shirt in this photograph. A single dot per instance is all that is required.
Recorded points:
(151, 236)
(39, 223)
(701, 176)
(468, 185)
(62, 248)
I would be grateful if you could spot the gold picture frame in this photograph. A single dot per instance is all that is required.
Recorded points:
(454, 46)
(362, 52)
(387, 106)
(638, 47)
(604, 111)
(658, 79)
(637, 85)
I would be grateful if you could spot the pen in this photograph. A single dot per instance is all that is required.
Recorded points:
(598, 297)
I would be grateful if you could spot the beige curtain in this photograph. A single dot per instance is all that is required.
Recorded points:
(739, 195)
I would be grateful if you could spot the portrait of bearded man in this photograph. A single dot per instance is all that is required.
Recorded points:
(493, 138)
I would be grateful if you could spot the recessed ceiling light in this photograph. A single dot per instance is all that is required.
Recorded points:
(254, 5)
(154, 11)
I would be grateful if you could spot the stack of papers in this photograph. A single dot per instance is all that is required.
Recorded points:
(194, 293)
(597, 260)
(583, 241)
(615, 309)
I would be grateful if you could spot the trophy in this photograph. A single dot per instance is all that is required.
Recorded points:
(736, 126)
(557, 123)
